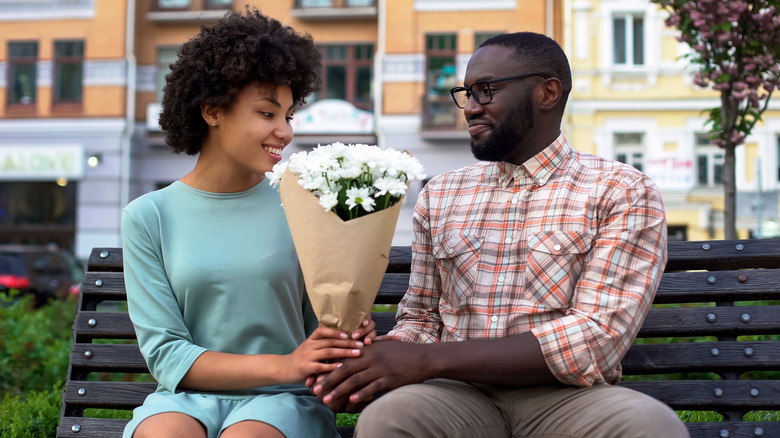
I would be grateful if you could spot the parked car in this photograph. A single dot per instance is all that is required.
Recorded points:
(45, 271)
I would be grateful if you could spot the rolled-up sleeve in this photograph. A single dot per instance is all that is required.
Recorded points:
(614, 292)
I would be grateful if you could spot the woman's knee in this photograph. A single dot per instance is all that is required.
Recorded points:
(170, 425)
(251, 429)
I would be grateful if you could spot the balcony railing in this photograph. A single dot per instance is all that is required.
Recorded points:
(183, 11)
(335, 9)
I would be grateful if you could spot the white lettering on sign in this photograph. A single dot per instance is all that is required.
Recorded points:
(333, 116)
(671, 172)
(41, 163)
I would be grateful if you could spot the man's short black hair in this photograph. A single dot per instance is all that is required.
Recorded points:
(221, 60)
(541, 53)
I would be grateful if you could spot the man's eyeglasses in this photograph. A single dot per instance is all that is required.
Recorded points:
(482, 92)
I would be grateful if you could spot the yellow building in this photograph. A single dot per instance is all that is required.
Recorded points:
(634, 100)
(63, 121)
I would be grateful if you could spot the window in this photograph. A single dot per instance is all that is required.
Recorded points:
(334, 3)
(677, 232)
(22, 69)
(347, 71)
(629, 149)
(37, 212)
(709, 162)
(481, 37)
(165, 57)
(628, 45)
(173, 4)
(188, 4)
(440, 55)
(219, 4)
(68, 71)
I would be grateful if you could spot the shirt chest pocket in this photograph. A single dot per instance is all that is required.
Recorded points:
(555, 262)
(458, 258)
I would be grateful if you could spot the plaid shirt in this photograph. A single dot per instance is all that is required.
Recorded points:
(568, 245)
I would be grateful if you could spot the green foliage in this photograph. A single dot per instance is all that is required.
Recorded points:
(108, 413)
(34, 343)
(346, 419)
(699, 416)
(34, 414)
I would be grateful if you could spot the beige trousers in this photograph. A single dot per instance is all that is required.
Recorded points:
(450, 409)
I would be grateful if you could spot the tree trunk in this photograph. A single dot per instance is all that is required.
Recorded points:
(728, 119)
(730, 193)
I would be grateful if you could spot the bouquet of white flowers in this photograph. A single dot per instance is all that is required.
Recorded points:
(342, 204)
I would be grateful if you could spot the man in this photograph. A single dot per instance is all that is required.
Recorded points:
(532, 272)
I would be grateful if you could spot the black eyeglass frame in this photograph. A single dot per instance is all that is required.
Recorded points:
(470, 93)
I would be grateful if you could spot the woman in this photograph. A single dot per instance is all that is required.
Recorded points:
(215, 291)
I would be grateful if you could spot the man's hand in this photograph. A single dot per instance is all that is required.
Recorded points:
(382, 366)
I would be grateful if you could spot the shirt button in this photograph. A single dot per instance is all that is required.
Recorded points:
(450, 250)
(557, 247)
(514, 200)
(494, 318)
(501, 279)
(508, 240)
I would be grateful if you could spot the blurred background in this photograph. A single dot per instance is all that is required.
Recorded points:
(81, 84)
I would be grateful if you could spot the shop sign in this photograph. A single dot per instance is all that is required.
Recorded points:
(672, 172)
(41, 163)
(333, 116)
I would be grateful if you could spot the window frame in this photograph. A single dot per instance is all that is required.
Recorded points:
(351, 64)
(70, 59)
(630, 39)
(161, 70)
(715, 156)
(158, 7)
(438, 96)
(630, 149)
(11, 80)
(777, 159)
(208, 6)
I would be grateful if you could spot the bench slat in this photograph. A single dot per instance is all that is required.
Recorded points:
(703, 394)
(111, 262)
(109, 325)
(711, 321)
(735, 429)
(717, 357)
(689, 287)
(108, 358)
(723, 254)
(111, 395)
(90, 427)
(104, 285)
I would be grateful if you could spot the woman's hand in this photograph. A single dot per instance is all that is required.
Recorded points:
(319, 354)
(366, 332)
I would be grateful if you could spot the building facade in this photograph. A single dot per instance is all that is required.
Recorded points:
(388, 66)
(63, 121)
(81, 83)
(634, 100)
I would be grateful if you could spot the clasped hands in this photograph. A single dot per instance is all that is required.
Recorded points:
(384, 363)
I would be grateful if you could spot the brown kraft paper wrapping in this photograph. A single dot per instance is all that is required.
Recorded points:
(343, 262)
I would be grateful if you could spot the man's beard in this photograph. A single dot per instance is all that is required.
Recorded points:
(506, 136)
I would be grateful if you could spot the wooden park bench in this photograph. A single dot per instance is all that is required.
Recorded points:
(703, 347)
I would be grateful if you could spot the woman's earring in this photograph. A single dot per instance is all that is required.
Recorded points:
(213, 123)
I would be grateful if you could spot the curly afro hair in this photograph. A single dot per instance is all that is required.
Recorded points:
(216, 64)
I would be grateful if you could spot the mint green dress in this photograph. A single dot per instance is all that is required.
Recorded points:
(218, 271)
